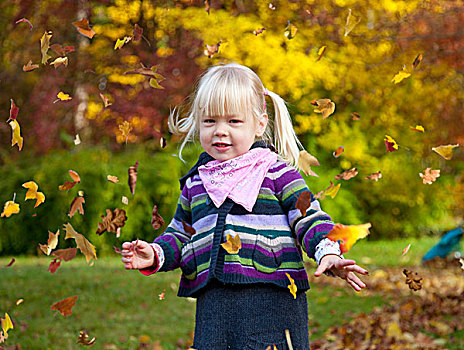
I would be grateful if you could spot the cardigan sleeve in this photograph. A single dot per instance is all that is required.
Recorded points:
(310, 228)
(175, 235)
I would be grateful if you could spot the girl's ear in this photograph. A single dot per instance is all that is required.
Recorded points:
(261, 126)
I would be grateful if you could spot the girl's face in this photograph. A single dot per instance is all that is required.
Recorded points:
(227, 137)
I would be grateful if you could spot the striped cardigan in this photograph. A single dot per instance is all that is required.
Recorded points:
(272, 235)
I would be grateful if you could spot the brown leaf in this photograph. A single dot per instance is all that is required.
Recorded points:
(259, 31)
(138, 31)
(187, 228)
(51, 243)
(86, 248)
(162, 295)
(211, 50)
(77, 205)
(29, 66)
(113, 179)
(82, 27)
(417, 61)
(156, 220)
(374, 176)
(112, 221)
(305, 161)
(355, 116)
(413, 280)
(347, 174)
(64, 306)
(12, 261)
(133, 177)
(303, 202)
(84, 339)
(324, 106)
(65, 254)
(54, 265)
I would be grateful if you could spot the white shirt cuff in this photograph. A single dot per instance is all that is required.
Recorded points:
(326, 247)
(159, 253)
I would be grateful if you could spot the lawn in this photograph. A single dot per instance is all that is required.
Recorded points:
(122, 309)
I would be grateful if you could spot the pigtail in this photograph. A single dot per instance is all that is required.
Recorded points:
(182, 126)
(287, 143)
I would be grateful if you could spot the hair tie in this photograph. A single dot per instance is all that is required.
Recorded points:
(266, 92)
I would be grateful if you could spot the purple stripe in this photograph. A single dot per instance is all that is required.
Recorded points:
(192, 284)
(319, 228)
(277, 166)
(250, 271)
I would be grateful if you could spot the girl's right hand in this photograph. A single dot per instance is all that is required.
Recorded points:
(137, 255)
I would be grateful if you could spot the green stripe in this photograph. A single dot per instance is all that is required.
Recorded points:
(198, 202)
(294, 190)
(262, 268)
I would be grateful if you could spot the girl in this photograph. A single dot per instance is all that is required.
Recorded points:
(248, 189)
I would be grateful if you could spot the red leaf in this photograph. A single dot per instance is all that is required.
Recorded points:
(54, 265)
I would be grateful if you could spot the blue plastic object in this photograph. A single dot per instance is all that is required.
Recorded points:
(447, 243)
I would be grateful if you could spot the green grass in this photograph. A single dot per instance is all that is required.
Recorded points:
(119, 306)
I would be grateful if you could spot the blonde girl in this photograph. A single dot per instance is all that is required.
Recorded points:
(245, 184)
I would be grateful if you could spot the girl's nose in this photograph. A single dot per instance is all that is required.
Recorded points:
(220, 130)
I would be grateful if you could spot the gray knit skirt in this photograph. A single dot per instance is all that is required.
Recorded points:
(241, 317)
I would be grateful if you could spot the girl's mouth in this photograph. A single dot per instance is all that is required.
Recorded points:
(221, 145)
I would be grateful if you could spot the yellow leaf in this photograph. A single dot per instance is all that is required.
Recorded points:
(445, 151)
(418, 128)
(390, 143)
(232, 245)
(305, 161)
(320, 52)
(87, 248)
(9, 209)
(63, 97)
(6, 325)
(44, 46)
(292, 286)
(290, 31)
(351, 22)
(120, 42)
(33, 194)
(16, 136)
(400, 76)
(125, 128)
(332, 190)
(59, 61)
(348, 235)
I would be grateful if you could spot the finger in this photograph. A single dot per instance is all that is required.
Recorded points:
(127, 245)
(357, 269)
(126, 260)
(344, 263)
(320, 269)
(128, 266)
(355, 281)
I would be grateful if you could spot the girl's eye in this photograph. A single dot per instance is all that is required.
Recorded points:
(235, 121)
(208, 121)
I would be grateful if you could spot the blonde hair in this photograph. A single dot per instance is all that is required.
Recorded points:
(235, 89)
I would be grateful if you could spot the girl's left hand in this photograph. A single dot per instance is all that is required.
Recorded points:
(342, 268)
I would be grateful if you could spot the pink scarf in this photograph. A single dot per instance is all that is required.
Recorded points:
(238, 178)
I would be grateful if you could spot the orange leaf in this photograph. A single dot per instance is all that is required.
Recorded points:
(347, 174)
(82, 27)
(29, 66)
(232, 245)
(76, 205)
(338, 151)
(348, 234)
(405, 250)
(162, 295)
(303, 202)
(64, 306)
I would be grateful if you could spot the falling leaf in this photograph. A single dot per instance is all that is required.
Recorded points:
(64, 306)
(163, 142)
(105, 100)
(6, 325)
(351, 22)
(33, 194)
(113, 179)
(259, 31)
(112, 221)
(187, 228)
(60, 61)
(44, 46)
(290, 30)
(321, 52)
(305, 161)
(400, 76)
(60, 50)
(12, 261)
(390, 143)
(232, 245)
(29, 66)
(54, 265)
(348, 234)
(162, 295)
(413, 280)
(271, 7)
(13, 111)
(405, 250)
(418, 128)
(338, 151)
(10, 208)
(137, 33)
(65, 254)
(132, 180)
(125, 129)
(347, 174)
(324, 106)
(303, 202)
(445, 151)
(125, 200)
(76, 205)
(374, 176)
(211, 50)
(430, 175)
(86, 248)
(51, 243)
(120, 42)
(156, 220)
(63, 97)
(19, 301)
(68, 184)
(16, 137)
(84, 339)
(82, 27)
(155, 77)
(292, 286)
(417, 61)
(355, 116)
(331, 191)
(77, 140)
(26, 21)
